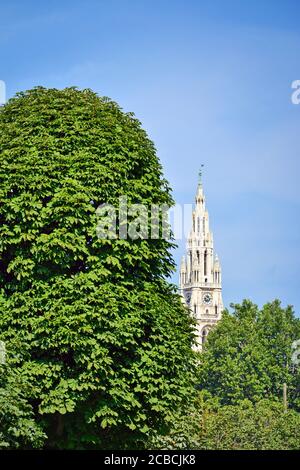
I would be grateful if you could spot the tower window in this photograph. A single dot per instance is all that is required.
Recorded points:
(198, 225)
(204, 335)
(216, 309)
(195, 309)
(205, 262)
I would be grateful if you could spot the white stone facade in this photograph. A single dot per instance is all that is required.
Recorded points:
(200, 280)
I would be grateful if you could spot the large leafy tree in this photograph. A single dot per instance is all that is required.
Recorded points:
(105, 343)
(248, 355)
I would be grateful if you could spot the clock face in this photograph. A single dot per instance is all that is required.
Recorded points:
(207, 298)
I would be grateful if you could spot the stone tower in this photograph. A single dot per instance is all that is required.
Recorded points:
(200, 271)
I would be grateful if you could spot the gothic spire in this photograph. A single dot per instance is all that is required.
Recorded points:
(200, 175)
(200, 279)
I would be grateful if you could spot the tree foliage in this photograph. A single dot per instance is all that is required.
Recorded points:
(18, 427)
(252, 426)
(207, 425)
(105, 343)
(245, 362)
(248, 355)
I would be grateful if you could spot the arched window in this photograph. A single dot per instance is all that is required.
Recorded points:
(216, 309)
(195, 309)
(204, 334)
(205, 262)
(198, 225)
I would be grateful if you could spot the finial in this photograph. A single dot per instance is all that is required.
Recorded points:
(200, 175)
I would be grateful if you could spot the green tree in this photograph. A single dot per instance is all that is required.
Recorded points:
(18, 428)
(260, 426)
(248, 354)
(106, 343)
(207, 425)
(185, 429)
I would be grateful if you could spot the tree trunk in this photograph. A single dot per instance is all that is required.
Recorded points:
(285, 403)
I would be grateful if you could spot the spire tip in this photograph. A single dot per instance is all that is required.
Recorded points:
(200, 175)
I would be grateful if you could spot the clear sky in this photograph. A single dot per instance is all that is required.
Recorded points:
(211, 83)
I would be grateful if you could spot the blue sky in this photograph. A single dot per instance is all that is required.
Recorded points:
(211, 83)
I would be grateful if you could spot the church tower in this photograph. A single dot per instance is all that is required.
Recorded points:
(200, 271)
